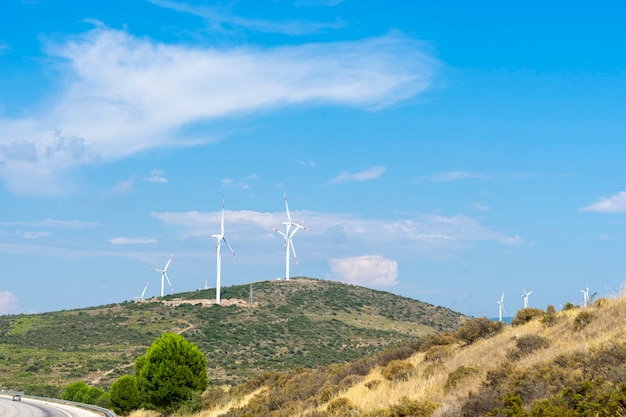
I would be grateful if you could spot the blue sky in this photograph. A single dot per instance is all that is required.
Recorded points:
(443, 151)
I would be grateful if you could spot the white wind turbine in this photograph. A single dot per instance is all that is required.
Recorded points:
(290, 231)
(585, 296)
(142, 293)
(164, 276)
(220, 238)
(501, 305)
(525, 295)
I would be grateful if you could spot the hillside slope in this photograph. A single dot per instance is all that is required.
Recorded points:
(301, 322)
(568, 363)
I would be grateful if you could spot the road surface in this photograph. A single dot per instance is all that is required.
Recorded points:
(29, 407)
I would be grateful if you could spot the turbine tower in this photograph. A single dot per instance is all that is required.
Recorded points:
(220, 238)
(585, 296)
(290, 230)
(501, 305)
(164, 276)
(525, 295)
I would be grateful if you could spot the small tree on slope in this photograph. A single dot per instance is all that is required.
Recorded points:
(170, 372)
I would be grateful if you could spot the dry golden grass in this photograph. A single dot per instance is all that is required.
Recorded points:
(428, 381)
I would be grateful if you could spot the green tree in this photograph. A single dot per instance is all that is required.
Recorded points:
(75, 391)
(170, 372)
(124, 395)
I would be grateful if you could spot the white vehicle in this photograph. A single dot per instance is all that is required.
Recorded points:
(17, 397)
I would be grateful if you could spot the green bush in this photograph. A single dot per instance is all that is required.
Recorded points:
(124, 395)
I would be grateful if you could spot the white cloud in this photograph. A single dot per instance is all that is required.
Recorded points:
(453, 176)
(8, 303)
(32, 235)
(157, 175)
(368, 270)
(342, 234)
(217, 17)
(241, 185)
(367, 175)
(132, 240)
(480, 207)
(69, 224)
(613, 204)
(125, 94)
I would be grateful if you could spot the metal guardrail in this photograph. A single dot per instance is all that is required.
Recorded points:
(106, 412)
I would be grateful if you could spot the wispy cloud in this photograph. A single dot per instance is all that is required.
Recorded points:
(613, 204)
(127, 186)
(129, 94)
(367, 175)
(244, 184)
(8, 303)
(132, 240)
(339, 234)
(157, 175)
(3, 48)
(32, 235)
(69, 224)
(217, 17)
(480, 207)
(368, 270)
(453, 176)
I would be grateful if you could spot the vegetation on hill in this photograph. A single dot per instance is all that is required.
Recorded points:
(568, 363)
(297, 323)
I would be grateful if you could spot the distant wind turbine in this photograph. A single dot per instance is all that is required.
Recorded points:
(585, 296)
(501, 305)
(220, 238)
(525, 295)
(164, 276)
(290, 230)
(142, 293)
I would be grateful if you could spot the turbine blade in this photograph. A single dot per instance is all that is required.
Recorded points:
(287, 207)
(222, 216)
(293, 251)
(229, 247)
(168, 262)
(168, 281)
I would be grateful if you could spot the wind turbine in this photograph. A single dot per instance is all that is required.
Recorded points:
(164, 276)
(525, 295)
(142, 293)
(290, 230)
(585, 296)
(501, 305)
(220, 238)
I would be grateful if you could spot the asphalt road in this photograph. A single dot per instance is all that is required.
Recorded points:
(29, 407)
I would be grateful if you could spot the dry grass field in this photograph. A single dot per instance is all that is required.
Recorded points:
(565, 363)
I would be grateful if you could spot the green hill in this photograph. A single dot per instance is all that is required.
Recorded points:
(297, 323)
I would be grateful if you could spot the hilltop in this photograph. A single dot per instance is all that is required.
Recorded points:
(301, 322)
(567, 363)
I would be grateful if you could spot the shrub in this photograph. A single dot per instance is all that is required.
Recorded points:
(601, 302)
(459, 374)
(476, 329)
(397, 370)
(340, 407)
(582, 319)
(437, 353)
(527, 344)
(525, 315)
(568, 306)
(408, 408)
